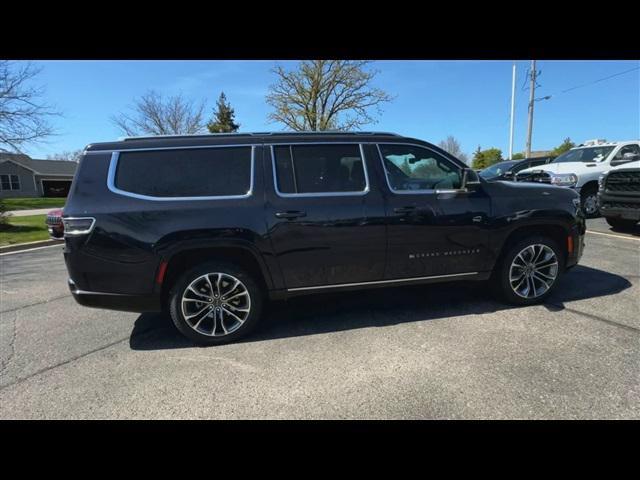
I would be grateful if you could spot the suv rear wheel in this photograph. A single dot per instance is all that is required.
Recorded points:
(215, 303)
(529, 271)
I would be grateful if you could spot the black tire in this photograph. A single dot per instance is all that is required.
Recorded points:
(621, 223)
(500, 279)
(587, 196)
(180, 286)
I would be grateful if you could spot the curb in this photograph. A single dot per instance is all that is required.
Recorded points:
(26, 246)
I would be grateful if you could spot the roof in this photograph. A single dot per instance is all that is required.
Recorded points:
(41, 167)
(255, 134)
(592, 143)
(178, 141)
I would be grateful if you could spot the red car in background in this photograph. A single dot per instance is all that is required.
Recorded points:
(54, 224)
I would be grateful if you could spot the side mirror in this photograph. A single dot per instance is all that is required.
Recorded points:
(469, 178)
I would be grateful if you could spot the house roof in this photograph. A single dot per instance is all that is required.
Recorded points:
(41, 167)
(541, 153)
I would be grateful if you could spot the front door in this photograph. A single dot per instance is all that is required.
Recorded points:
(326, 221)
(434, 227)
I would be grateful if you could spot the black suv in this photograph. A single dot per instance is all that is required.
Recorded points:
(208, 227)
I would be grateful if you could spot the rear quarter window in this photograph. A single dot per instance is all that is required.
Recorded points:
(206, 172)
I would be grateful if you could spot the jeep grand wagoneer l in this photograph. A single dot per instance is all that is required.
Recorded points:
(208, 227)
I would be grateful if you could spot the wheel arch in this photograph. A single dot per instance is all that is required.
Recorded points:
(556, 231)
(590, 185)
(236, 251)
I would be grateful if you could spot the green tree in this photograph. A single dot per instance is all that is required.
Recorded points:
(223, 120)
(518, 156)
(486, 158)
(563, 147)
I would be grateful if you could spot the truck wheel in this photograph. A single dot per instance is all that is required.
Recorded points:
(215, 303)
(621, 223)
(529, 271)
(589, 202)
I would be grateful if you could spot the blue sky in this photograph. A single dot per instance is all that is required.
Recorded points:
(467, 99)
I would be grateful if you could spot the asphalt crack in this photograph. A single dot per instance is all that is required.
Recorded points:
(35, 304)
(595, 317)
(12, 349)
(77, 357)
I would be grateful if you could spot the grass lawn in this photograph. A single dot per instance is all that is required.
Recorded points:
(23, 229)
(29, 203)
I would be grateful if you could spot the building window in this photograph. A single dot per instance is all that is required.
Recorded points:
(9, 182)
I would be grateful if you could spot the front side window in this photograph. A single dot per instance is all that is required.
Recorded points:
(206, 172)
(319, 169)
(410, 167)
(631, 148)
(10, 182)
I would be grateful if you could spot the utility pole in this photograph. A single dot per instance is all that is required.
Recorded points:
(513, 104)
(531, 101)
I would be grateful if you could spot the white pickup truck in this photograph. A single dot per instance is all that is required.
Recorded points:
(580, 168)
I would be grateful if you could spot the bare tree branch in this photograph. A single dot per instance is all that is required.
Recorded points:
(325, 95)
(151, 114)
(70, 156)
(452, 146)
(23, 114)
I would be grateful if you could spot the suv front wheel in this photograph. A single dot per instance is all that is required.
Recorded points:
(215, 303)
(529, 271)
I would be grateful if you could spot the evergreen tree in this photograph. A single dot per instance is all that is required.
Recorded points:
(223, 120)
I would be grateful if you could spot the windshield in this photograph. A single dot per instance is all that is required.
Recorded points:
(496, 169)
(593, 154)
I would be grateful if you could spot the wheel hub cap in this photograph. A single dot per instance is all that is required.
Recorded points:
(533, 271)
(216, 304)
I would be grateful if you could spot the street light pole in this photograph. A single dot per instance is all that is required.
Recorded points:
(513, 104)
(531, 101)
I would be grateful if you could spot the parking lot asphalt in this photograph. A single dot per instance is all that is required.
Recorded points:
(420, 352)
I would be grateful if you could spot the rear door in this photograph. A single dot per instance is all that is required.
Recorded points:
(324, 214)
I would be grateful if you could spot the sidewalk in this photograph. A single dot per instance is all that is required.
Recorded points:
(25, 213)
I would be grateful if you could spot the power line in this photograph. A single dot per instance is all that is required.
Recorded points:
(595, 81)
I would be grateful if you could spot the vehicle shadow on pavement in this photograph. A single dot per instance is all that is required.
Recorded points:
(318, 314)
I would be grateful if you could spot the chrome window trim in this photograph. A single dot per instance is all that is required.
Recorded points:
(113, 165)
(359, 193)
(421, 191)
(374, 282)
(73, 233)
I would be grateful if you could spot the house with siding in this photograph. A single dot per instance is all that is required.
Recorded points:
(23, 176)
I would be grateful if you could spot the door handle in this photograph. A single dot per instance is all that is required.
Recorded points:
(404, 209)
(291, 214)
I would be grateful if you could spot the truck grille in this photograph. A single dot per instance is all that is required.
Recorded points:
(53, 220)
(538, 176)
(635, 206)
(623, 182)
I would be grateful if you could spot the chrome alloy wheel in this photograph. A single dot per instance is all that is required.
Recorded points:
(533, 271)
(591, 204)
(216, 304)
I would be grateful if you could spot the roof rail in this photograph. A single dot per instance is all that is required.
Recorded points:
(323, 132)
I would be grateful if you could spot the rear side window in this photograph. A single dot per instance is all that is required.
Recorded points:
(206, 172)
(309, 169)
